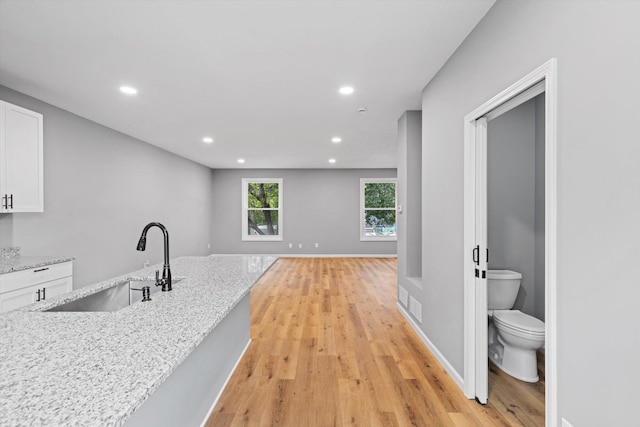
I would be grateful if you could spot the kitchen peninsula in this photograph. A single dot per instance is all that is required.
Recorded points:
(151, 363)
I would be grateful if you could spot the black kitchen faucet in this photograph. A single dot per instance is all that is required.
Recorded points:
(165, 282)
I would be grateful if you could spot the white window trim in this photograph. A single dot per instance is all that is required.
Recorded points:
(245, 209)
(364, 238)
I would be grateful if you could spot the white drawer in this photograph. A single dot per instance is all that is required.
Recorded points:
(34, 276)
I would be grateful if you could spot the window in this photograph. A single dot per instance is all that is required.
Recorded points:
(262, 209)
(378, 209)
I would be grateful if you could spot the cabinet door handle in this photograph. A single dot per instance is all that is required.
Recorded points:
(41, 269)
(11, 198)
(5, 202)
(38, 293)
(43, 295)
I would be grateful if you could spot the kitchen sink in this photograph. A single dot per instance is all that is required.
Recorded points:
(112, 299)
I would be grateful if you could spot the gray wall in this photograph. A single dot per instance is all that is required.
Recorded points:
(100, 189)
(596, 44)
(320, 205)
(513, 173)
(410, 198)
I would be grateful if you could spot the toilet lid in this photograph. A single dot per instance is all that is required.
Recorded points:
(518, 320)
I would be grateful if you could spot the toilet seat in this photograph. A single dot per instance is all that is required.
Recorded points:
(518, 322)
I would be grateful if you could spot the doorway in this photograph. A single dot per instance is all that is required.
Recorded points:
(476, 256)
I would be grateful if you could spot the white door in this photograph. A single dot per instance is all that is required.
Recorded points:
(542, 79)
(480, 259)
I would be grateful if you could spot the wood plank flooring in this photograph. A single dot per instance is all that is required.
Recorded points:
(329, 348)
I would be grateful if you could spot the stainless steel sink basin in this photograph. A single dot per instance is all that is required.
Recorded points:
(113, 298)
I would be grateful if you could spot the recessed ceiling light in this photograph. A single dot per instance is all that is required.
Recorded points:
(207, 139)
(240, 160)
(346, 90)
(332, 160)
(336, 139)
(362, 110)
(128, 90)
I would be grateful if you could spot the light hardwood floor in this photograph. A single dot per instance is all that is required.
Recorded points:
(329, 348)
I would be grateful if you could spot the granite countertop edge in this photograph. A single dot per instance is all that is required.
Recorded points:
(22, 262)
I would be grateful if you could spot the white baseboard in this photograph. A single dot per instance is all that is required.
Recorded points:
(215, 401)
(443, 360)
(318, 255)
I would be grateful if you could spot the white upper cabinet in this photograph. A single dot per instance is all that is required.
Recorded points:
(21, 160)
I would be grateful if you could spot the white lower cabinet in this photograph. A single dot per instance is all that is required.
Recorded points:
(37, 284)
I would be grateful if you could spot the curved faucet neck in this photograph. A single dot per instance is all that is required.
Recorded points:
(166, 238)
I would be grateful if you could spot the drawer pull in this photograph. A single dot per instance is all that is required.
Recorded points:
(41, 269)
(38, 293)
(43, 294)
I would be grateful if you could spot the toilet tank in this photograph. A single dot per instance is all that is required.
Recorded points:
(502, 289)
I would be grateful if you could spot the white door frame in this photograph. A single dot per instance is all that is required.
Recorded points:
(546, 73)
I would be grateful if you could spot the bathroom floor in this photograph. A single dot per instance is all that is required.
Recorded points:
(521, 403)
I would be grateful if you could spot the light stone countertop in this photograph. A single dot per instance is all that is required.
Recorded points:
(96, 368)
(18, 263)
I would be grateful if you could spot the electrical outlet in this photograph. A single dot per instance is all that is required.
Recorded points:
(290, 245)
(208, 245)
(317, 244)
(300, 245)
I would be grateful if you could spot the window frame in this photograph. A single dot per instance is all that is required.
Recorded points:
(246, 237)
(363, 237)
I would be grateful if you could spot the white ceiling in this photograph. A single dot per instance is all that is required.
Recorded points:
(260, 77)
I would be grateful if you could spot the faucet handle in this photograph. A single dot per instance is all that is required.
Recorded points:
(159, 281)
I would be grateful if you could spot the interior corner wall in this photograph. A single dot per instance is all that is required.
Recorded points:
(320, 206)
(101, 188)
(596, 44)
(410, 199)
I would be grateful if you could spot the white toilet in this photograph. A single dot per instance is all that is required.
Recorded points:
(514, 336)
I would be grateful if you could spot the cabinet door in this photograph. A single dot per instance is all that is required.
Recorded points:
(21, 159)
(29, 295)
(56, 287)
(20, 298)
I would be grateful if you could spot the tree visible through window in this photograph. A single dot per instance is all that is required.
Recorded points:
(262, 209)
(378, 209)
